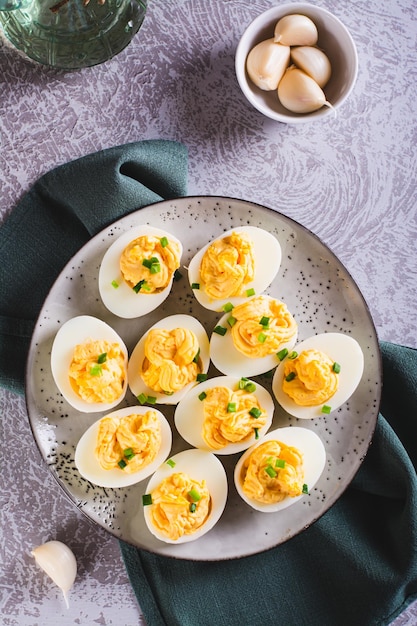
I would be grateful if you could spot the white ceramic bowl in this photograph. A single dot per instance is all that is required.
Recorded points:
(334, 39)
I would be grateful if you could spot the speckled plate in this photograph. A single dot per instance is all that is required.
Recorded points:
(322, 297)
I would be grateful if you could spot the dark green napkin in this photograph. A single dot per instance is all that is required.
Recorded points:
(59, 214)
(356, 566)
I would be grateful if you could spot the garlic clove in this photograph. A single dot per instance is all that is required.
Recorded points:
(266, 64)
(313, 62)
(296, 30)
(299, 93)
(58, 562)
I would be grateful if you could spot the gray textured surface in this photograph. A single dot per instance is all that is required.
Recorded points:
(351, 180)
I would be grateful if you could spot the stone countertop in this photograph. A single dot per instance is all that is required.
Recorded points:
(350, 179)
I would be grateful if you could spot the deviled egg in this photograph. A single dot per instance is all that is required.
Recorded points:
(137, 271)
(318, 375)
(282, 468)
(185, 497)
(242, 261)
(224, 415)
(124, 447)
(89, 364)
(246, 340)
(169, 359)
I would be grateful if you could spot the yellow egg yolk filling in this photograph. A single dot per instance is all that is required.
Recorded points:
(227, 266)
(272, 472)
(97, 371)
(171, 359)
(309, 379)
(180, 505)
(128, 443)
(230, 416)
(148, 263)
(261, 326)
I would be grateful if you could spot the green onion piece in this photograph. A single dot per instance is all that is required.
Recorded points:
(262, 337)
(242, 382)
(193, 507)
(305, 488)
(194, 495)
(264, 321)
(147, 263)
(326, 409)
(282, 354)
(220, 330)
(151, 400)
(197, 356)
(202, 396)
(122, 464)
(293, 355)
(171, 463)
(280, 463)
(102, 358)
(128, 453)
(270, 471)
(201, 377)
(255, 412)
(250, 292)
(155, 268)
(168, 393)
(250, 387)
(195, 285)
(164, 241)
(336, 368)
(290, 377)
(147, 499)
(269, 460)
(231, 320)
(96, 370)
(177, 275)
(231, 407)
(256, 433)
(142, 397)
(139, 286)
(228, 307)
(114, 284)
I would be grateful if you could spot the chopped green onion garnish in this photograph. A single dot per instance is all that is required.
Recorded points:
(264, 321)
(96, 370)
(256, 433)
(151, 400)
(202, 396)
(195, 359)
(147, 499)
(282, 354)
(177, 275)
(290, 377)
(168, 393)
(227, 307)
(242, 382)
(270, 471)
(193, 507)
(155, 268)
(194, 495)
(255, 412)
(142, 397)
(250, 292)
(164, 242)
(102, 358)
(280, 463)
(220, 330)
(231, 407)
(247, 385)
(305, 488)
(293, 355)
(201, 377)
(122, 464)
(336, 368)
(262, 337)
(114, 284)
(128, 453)
(139, 286)
(231, 320)
(195, 285)
(326, 409)
(171, 463)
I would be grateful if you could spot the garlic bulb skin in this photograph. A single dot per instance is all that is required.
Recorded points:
(296, 30)
(299, 93)
(266, 64)
(59, 563)
(313, 62)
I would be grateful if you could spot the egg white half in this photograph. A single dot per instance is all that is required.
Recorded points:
(89, 467)
(189, 414)
(136, 384)
(340, 348)
(123, 301)
(199, 465)
(314, 462)
(268, 254)
(78, 330)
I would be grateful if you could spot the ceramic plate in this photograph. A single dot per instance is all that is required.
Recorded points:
(318, 291)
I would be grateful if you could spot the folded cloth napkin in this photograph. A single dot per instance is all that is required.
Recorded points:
(357, 565)
(59, 214)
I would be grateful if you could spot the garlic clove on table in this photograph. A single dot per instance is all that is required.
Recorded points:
(59, 563)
